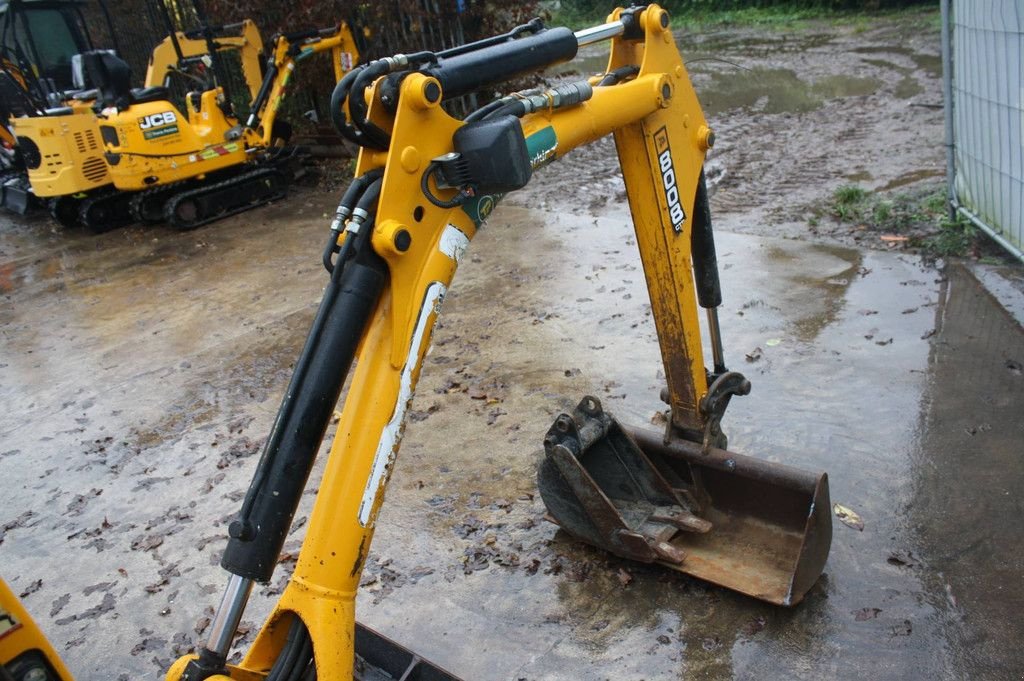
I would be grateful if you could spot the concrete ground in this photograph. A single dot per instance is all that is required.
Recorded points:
(140, 371)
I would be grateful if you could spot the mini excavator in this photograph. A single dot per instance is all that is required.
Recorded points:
(48, 102)
(193, 168)
(62, 146)
(425, 182)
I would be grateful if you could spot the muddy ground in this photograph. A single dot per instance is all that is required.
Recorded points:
(141, 369)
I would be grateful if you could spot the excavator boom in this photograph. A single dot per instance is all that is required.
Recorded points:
(425, 183)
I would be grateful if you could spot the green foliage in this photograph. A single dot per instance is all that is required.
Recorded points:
(579, 13)
(955, 238)
(848, 202)
(919, 217)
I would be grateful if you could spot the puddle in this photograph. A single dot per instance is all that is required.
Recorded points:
(839, 383)
(859, 176)
(908, 86)
(754, 45)
(929, 63)
(911, 178)
(776, 90)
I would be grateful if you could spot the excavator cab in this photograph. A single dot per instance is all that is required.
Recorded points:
(41, 38)
(41, 43)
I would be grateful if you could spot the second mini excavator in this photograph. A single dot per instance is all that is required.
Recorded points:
(204, 164)
(425, 183)
(61, 146)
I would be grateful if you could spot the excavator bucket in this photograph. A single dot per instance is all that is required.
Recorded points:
(760, 528)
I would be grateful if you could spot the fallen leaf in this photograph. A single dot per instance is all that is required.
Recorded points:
(624, 577)
(901, 559)
(754, 626)
(848, 517)
(754, 355)
(31, 588)
(865, 614)
(902, 629)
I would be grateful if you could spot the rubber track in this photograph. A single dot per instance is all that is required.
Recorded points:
(119, 214)
(245, 178)
(140, 197)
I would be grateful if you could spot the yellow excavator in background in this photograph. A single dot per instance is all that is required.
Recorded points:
(425, 182)
(201, 165)
(62, 148)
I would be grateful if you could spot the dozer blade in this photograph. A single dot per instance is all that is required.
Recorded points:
(763, 529)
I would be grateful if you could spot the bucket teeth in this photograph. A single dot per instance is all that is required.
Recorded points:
(668, 553)
(601, 487)
(686, 522)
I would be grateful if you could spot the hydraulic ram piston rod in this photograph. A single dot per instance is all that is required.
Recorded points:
(596, 34)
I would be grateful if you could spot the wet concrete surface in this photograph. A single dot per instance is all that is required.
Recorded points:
(141, 369)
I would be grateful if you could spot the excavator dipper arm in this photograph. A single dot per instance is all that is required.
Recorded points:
(425, 182)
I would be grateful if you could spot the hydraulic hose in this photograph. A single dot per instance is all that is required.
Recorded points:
(457, 200)
(360, 129)
(338, 97)
(618, 75)
(345, 207)
(372, 135)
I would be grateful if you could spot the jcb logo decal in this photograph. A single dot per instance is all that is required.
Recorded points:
(668, 180)
(158, 119)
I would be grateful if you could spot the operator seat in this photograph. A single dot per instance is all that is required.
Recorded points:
(112, 77)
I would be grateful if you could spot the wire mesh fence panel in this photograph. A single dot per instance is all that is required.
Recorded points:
(135, 28)
(987, 124)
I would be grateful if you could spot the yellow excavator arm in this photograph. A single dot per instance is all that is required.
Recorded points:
(163, 62)
(288, 50)
(425, 183)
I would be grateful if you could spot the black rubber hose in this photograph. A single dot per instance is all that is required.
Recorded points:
(372, 135)
(304, 659)
(338, 97)
(484, 111)
(453, 202)
(514, 108)
(290, 656)
(348, 200)
(618, 75)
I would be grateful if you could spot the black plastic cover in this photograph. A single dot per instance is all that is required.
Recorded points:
(494, 154)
